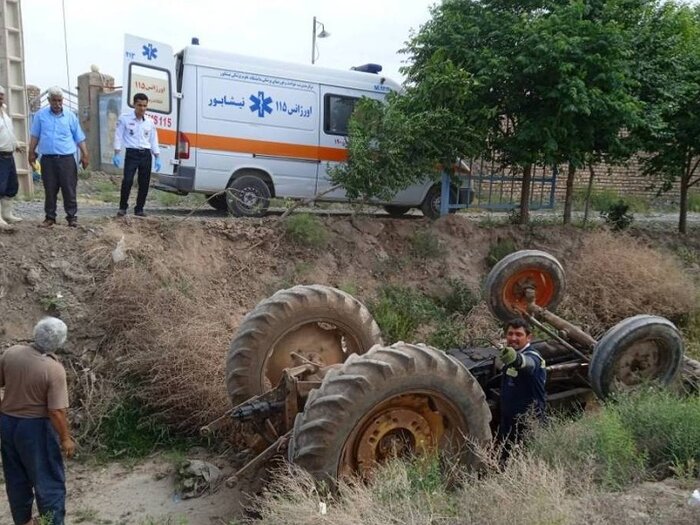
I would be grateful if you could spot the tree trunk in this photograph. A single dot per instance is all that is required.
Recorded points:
(589, 190)
(525, 195)
(683, 217)
(569, 197)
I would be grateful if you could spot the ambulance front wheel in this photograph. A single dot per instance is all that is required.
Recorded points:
(248, 196)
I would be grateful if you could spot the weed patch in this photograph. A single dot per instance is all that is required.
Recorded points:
(399, 311)
(130, 432)
(460, 299)
(499, 250)
(424, 244)
(306, 230)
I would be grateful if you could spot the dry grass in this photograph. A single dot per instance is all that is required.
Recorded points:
(172, 338)
(526, 491)
(613, 276)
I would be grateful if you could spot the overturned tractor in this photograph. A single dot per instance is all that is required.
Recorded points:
(309, 377)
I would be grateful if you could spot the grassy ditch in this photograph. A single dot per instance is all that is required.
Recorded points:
(572, 472)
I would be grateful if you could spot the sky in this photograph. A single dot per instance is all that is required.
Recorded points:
(361, 31)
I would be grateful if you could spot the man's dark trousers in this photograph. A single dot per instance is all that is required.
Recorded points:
(8, 176)
(32, 464)
(136, 159)
(59, 172)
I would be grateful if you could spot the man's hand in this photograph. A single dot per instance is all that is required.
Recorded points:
(84, 161)
(117, 160)
(158, 164)
(508, 355)
(31, 157)
(68, 447)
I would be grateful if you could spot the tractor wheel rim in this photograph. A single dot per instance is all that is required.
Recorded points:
(416, 423)
(515, 287)
(321, 342)
(642, 361)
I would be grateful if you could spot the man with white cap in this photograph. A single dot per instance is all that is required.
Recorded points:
(9, 185)
(33, 425)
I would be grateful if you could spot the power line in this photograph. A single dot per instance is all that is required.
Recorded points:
(65, 44)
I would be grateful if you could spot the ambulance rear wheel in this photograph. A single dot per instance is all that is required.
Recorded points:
(248, 196)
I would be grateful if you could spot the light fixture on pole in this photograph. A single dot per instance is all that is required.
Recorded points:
(322, 34)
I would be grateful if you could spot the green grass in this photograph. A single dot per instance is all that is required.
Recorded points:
(460, 299)
(53, 302)
(167, 199)
(646, 435)
(106, 191)
(129, 432)
(499, 250)
(399, 311)
(306, 230)
(694, 202)
(424, 244)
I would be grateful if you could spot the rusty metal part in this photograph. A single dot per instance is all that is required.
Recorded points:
(319, 343)
(259, 460)
(561, 340)
(570, 331)
(401, 426)
(565, 371)
(639, 362)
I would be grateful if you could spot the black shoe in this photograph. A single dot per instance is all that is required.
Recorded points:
(139, 214)
(73, 222)
(48, 223)
(121, 213)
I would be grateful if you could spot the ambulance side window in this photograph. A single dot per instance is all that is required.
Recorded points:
(337, 112)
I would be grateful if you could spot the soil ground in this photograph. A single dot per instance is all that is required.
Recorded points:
(63, 271)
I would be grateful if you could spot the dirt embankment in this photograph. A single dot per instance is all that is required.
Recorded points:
(166, 313)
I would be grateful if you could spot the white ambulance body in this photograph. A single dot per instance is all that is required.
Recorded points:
(262, 128)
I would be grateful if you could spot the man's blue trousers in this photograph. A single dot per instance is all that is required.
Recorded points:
(33, 467)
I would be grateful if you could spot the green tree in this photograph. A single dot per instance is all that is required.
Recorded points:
(519, 82)
(669, 72)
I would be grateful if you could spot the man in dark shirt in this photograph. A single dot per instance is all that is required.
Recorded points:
(522, 381)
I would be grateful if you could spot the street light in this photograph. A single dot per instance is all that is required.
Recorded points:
(322, 34)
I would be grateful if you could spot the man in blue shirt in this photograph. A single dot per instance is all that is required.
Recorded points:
(522, 381)
(58, 135)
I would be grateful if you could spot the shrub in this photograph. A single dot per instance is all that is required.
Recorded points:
(449, 334)
(306, 229)
(399, 311)
(460, 299)
(599, 443)
(424, 244)
(614, 276)
(616, 216)
(499, 250)
(666, 429)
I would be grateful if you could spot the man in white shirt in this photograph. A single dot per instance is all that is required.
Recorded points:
(9, 185)
(138, 135)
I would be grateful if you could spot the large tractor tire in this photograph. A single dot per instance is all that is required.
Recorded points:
(637, 350)
(395, 401)
(321, 324)
(507, 281)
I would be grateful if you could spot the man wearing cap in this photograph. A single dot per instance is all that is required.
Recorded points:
(57, 133)
(33, 425)
(9, 185)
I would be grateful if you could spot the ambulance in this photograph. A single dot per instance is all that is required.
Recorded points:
(259, 128)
